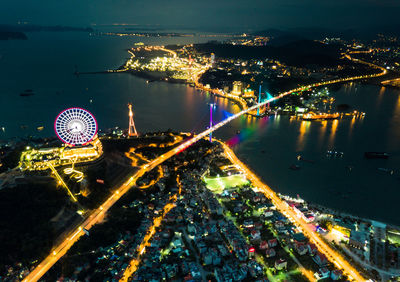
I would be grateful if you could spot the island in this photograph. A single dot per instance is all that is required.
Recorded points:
(12, 35)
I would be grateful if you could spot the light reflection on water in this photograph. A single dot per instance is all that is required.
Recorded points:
(304, 125)
(332, 135)
(352, 122)
(380, 96)
(394, 132)
(322, 132)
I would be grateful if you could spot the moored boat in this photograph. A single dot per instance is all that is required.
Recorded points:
(27, 92)
(294, 167)
(387, 170)
(376, 155)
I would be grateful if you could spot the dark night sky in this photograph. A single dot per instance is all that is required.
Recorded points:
(253, 14)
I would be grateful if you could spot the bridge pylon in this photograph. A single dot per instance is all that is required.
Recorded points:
(259, 101)
(132, 129)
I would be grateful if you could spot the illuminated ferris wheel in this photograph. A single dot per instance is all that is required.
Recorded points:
(75, 126)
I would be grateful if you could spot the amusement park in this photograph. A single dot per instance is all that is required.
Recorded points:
(77, 128)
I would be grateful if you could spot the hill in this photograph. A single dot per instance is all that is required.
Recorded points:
(297, 53)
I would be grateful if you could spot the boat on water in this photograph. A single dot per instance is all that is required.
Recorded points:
(294, 167)
(334, 154)
(320, 116)
(27, 92)
(300, 158)
(387, 170)
(376, 155)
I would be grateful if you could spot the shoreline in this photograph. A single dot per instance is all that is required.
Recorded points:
(344, 214)
(315, 205)
(341, 255)
(282, 206)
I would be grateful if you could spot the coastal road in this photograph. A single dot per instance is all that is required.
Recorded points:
(283, 207)
(97, 215)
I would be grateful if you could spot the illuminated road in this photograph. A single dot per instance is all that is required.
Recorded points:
(282, 206)
(133, 265)
(392, 82)
(61, 181)
(97, 215)
(237, 99)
